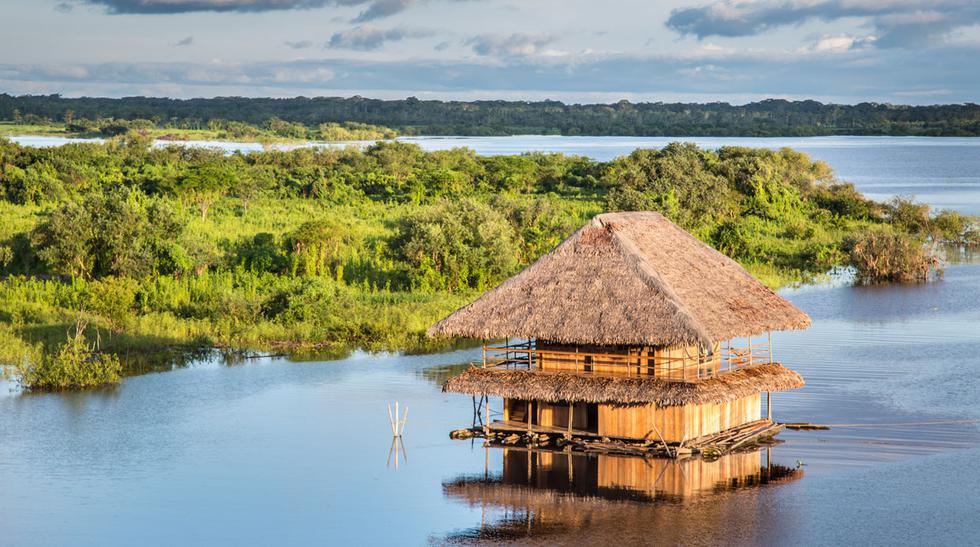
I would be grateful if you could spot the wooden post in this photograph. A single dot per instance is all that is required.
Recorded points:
(530, 406)
(769, 405)
(771, 360)
(484, 356)
(571, 418)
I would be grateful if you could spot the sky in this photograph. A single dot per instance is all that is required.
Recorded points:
(586, 51)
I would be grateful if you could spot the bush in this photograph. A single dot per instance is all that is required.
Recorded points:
(75, 365)
(907, 215)
(456, 245)
(886, 256)
(120, 232)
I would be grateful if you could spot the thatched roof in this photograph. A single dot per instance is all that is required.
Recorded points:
(627, 279)
(580, 388)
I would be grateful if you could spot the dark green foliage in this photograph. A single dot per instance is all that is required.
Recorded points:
(907, 215)
(456, 245)
(120, 233)
(680, 181)
(239, 117)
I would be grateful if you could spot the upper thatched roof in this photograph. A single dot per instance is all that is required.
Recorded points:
(582, 388)
(627, 279)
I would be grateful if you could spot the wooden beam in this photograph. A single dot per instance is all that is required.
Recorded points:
(571, 417)
(530, 405)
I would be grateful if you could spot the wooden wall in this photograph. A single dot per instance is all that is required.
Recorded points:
(677, 423)
(547, 414)
(625, 359)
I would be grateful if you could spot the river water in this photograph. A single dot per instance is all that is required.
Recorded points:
(273, 451)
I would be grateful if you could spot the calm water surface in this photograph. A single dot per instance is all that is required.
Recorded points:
(275, 452)
(942, 171)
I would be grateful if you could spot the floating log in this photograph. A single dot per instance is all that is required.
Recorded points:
(806, 426)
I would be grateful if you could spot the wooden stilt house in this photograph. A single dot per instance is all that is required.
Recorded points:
(632, 329)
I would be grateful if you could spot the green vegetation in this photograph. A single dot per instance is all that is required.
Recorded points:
(74, 364)
(178, 248)
(238, 117)
(271, 131)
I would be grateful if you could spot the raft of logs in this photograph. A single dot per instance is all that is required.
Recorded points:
(744, 437)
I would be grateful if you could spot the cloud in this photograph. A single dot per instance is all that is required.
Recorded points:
(366, 38)
(63, 7)
(186, 6)
(185, 41)
(514, 45)
(382, 8)
(889, 75)
(441, 46)
(896, 22)
(298, 44)
(840, 43)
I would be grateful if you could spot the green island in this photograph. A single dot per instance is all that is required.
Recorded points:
(111, 253)
(768, 118)
(273, 130)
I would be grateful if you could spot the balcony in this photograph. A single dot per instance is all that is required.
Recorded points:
(676, 364)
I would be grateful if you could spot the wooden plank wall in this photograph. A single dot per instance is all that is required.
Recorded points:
(556, 415)
(677, 423)
(635, 360)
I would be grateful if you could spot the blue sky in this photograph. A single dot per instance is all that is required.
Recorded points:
(847, 51)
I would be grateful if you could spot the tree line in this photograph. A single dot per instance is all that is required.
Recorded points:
(768, 118)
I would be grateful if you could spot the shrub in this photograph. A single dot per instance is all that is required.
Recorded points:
(907, 215)
(75, 365)
(121, 232)
(886, 256)
(456, 245)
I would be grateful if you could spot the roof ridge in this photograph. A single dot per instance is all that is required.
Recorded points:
(649, 275)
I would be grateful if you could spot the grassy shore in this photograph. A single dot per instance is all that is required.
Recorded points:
(221, 132)
(170, 250)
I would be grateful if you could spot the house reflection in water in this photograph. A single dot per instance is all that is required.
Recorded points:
(540, 493)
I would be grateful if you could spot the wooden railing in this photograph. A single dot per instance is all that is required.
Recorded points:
(688, 367)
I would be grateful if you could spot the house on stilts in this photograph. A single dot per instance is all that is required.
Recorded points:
(630, 329)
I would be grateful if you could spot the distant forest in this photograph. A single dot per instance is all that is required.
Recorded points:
(412, 116)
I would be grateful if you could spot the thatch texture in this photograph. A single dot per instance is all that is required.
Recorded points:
(627, 279)
(581, 388)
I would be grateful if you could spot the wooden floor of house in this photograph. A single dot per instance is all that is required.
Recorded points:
(510, 426)
(723, 441)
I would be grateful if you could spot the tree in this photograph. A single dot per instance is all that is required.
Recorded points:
(456, 245)
(122, 232)
(204, 184)
(318, 246)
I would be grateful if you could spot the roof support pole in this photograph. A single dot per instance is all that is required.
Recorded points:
(530, 406)
(771, 358)
(571, 418)
(769, 405)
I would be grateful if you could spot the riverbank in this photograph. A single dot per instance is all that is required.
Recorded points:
(272, 133)
(327, 249)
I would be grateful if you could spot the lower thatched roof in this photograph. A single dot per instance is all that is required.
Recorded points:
(577, 388)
